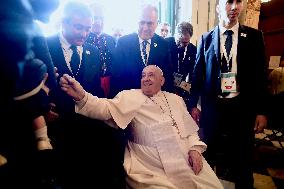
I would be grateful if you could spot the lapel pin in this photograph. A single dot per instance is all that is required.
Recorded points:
(155, 45)
(88, 52)
(243, 34)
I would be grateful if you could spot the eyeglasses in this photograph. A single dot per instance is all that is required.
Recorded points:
(150, 23)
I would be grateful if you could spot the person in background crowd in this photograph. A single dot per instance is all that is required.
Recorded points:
(230, 76)
(164, 30)
(117, 33)
(183, 55)
(105, 43)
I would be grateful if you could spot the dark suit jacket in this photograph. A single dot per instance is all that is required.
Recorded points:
(88, 75)
(83, 143)
(251, 76)
(187, 65)
(129, 63)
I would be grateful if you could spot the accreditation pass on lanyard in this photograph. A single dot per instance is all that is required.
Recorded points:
(228, 82)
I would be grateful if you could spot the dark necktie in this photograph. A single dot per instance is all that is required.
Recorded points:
(144, 45)
(228, 42)
(227, 63)
(75, 60)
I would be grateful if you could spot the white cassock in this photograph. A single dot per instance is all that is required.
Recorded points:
(156, 156)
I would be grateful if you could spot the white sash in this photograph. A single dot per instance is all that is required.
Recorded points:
(175, 164)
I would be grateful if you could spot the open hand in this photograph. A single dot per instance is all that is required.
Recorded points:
(195, 114)
(195, 161)
(260, 123)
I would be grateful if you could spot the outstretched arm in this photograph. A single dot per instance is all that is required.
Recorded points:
(96, 108)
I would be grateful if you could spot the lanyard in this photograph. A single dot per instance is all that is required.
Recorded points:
(184, 54)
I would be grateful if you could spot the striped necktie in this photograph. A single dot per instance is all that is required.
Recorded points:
(145, 57)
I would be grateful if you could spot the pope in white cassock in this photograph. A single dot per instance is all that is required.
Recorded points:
(164, 149)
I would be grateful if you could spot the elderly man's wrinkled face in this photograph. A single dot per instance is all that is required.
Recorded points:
(148, 24)
(77, 29)
(229, 10)
(152, 80)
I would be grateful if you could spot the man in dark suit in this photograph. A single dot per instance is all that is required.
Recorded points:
(164, 30)
(135, 51)
(82, 145)
(183, 57)
(230, 77)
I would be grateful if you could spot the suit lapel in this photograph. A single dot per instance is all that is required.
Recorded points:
(83, 63)
(136, 46)
(216, 43)
(187, 55)
(241, 44)
(87, 71)
(153, 49)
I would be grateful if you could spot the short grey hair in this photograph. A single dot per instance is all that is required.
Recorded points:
(185, 27)
(76, 8)
(147, 7)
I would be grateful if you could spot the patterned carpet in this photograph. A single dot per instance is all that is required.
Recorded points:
(268, 161)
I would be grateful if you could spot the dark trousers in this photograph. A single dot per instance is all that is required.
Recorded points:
(89, 154)
(230, 143)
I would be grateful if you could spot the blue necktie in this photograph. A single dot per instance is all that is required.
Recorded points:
(75, 60)
(144, 45)
(226, 66)
(228, 42)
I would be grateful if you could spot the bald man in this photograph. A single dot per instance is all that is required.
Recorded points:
(162, 134)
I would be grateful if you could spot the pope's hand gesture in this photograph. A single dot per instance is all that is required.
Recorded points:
(72, 87)
(195, 161)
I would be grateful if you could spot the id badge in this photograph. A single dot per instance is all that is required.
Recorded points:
(177, 79)
(228, 82)
(185, 86)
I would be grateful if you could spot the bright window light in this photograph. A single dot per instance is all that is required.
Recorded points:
(121, 14)
(264, 1)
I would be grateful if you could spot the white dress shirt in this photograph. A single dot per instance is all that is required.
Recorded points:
(67, 52)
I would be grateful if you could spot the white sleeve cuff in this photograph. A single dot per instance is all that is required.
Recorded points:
(81, 103)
